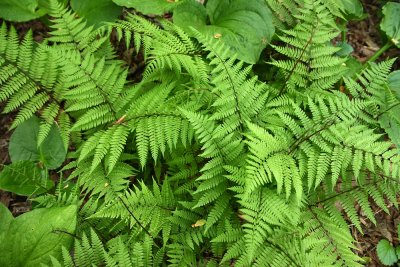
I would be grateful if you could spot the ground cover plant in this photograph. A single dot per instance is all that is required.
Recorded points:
(213, 157)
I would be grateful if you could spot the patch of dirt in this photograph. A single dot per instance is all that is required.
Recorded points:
(365, 36)
(385, 228)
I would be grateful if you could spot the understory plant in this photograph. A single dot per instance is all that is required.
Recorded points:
(201, 162)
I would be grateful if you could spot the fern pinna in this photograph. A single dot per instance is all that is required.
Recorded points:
(201, 163)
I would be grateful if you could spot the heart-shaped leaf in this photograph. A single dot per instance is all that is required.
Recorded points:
(23, 145)
(391, 21)
(20, 10)
(5, 219)
(96, 12)
(353, 8)
(24, 178)
(156, 7)
(346, 49)
(390, 119)
(245, 27)
(33, 237)
(394, 82)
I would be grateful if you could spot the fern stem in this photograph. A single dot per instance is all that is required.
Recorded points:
(297, 62)
(26, 74)
(137, 221)
(305, 138)
(355, 188)
(323, 229)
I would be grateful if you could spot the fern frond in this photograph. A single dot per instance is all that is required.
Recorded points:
(71, 32)
(166, 48)
(27, 75)
(311, 64)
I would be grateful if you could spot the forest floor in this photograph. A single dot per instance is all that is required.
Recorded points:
(364, 36)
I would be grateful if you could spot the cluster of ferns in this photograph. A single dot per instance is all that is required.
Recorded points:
(202, 163)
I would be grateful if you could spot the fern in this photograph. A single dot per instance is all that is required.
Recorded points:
(311, 64)
(25, 80)
(201, 163)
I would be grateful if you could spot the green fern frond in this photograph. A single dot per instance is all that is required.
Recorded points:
(71, 32)
(152, 208)
(164, 48)
(311, 64)
(27, 75)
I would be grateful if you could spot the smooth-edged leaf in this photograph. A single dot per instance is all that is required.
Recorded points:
(386, 252)
(398, 252)
(244, 26)
(345, 49)
(5, 220)
(390, 23)
(36, 235)
(353, 8)
(24, 178)
(23, 145)
(156, 7)
(354, 66)
(96, 11)
(394, 82)
(20, 10)
(390, 119)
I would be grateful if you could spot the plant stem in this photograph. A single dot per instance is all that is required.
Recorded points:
(378, 53)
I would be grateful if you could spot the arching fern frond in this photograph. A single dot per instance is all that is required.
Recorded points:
(164, 48)
(90, 85)
(27, 75)
(72, 32)
(311, 63)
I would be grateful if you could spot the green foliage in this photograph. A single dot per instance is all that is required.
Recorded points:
(352, 8)
(386, 252)
(157, 7)
(24, 178)
(201, 162)
(38, 142)
(33, 237)
(245, 28)
(391, 22)
(21, 10)
(6, 218)
(96, 12)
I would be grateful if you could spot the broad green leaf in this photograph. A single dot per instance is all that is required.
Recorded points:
(398, 252)
(386, 253)
(5, 220)
(36, 235)
(156, 7)
(24, 178)
(20, 10)
(353, 8)
(245, 27)
(390, 119)
(394, 82)
(354, 66)
(391, 22)
(96, 11)
(346, 49)
(23, 145)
